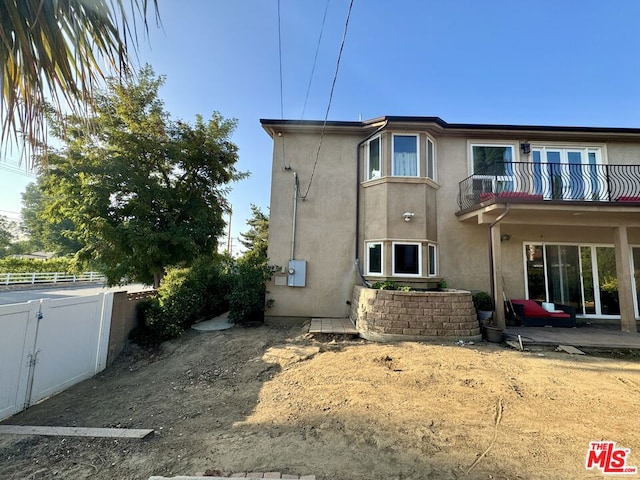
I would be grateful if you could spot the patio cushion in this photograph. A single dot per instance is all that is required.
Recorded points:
(628, 199)
(531, 308)
(521, 195)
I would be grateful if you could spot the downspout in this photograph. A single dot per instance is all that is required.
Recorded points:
(491, 269)
(295, 216)
(357, 241)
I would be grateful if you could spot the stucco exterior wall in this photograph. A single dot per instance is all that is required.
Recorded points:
(325, 225)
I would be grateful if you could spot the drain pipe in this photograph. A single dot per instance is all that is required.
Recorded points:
(491, 269)
(357, 242)
(295, 216)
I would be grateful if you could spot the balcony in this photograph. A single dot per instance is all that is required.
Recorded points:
(527, 182)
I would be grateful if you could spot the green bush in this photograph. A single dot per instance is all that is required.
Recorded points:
(27, 265)
(191, 294)
(154, 325)
(185, 296)
(391, 285)
(248, 290)
(482, 301)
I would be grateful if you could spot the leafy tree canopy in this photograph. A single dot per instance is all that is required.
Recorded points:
(44, 233)
(6, 237)
(256, 240)
(143, 191)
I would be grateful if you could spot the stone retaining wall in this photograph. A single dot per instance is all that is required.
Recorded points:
(387, 316)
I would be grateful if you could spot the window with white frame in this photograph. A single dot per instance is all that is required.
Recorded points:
(492, 168)
(405, 156)
(374, 164)
(407, 259)
(374, 258)
(433, 261)
(431, 159)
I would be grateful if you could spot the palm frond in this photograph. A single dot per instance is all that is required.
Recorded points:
(57, 51)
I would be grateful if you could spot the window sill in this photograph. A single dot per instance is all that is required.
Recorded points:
(405, 180)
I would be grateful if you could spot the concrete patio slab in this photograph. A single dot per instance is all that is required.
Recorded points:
(584, 336)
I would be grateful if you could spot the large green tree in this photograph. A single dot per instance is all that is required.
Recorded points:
(6, 237)
(45, 234)
(58, 49)
(256, 239)
(143, 191)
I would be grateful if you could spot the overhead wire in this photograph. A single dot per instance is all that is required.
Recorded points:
(315, 60)
(326, 116)
(284, 162)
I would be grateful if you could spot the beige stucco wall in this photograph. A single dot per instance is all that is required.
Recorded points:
(325, 227)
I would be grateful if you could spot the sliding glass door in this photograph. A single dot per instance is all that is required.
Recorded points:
(583, 276)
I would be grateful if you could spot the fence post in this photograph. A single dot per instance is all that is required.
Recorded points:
(6, 281)
(33, 279)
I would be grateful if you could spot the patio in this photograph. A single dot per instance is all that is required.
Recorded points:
(593, 335)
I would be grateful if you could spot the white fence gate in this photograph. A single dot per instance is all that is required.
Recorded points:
(48, 345)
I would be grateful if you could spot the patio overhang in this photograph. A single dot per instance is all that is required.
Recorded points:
(587, 214)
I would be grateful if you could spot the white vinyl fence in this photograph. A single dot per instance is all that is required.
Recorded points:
(48, 345)
(49, 277)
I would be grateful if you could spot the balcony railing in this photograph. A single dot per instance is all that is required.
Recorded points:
(532, 182)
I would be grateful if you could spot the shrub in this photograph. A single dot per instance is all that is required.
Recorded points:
(185, 296)
(27, 265)
(390, 285)
(482, 301)
(191, 294)
(154, 325)
(248, 292)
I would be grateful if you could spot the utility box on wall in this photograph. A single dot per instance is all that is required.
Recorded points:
(297, 273)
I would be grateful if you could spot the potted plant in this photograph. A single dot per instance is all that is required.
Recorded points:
(484, 306)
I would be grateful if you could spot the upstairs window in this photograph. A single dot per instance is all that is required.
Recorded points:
(405, 156)
(374, 167)
(431, 160)
(492, 159)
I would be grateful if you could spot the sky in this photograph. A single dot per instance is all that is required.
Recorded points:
(542, 62)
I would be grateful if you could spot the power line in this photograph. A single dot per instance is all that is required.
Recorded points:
(315, 60)
(284, 163)
(333, 85)
(16, 170)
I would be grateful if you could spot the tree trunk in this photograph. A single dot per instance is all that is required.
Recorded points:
(157, 278)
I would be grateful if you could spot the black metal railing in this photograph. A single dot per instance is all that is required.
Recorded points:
(531, 182)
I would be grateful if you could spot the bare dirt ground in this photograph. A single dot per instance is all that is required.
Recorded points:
(267, 399)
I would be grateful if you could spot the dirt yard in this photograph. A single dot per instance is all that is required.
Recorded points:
(266, 399)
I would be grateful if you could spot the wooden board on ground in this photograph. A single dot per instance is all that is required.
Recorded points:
(75, 431)
(570, 350)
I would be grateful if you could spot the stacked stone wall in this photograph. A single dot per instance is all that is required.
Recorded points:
(385, 315)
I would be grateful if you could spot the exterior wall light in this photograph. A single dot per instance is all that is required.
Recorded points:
(505, 237)
(525, 148)
(408, 216)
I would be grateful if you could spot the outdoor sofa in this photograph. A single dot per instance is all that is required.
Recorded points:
(541, 314)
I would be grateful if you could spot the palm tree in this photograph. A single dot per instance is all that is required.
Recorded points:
(60, 50)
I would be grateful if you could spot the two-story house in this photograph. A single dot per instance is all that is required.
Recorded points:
(535, 212)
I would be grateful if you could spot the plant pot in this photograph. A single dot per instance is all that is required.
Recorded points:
(493, 334)
(484, 315)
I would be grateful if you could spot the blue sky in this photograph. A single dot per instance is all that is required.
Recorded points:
(544, 62)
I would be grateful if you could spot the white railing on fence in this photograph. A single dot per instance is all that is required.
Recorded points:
(49, 277)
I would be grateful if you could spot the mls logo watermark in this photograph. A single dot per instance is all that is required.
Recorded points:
(608, 459)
